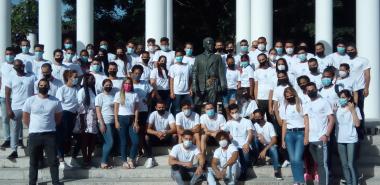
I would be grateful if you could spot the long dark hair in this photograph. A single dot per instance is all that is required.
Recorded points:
(159, 68)
(87, 86)
(104, 60)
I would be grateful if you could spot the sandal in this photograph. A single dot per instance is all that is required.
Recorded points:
(131, 165)
(126, 165)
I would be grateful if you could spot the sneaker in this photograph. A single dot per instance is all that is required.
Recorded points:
(63, 165)
(21, 144)
(74, 163)
(149, 163)
(5, 145)
(285, 164)
(361, 177)
(277, 175)
(307, 177)
(316, 177)
(13, 155)
(343, 181)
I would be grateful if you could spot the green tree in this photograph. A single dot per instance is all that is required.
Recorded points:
(24, 19)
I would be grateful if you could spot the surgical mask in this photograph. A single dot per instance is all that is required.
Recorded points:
(39, 54)
(244, 49)
(279, 50)
(187, 143)
(95, 68)
(151, 48)
(302, 56)
(178, 59)
(235, 116)
(341, 50)
(210, 113)
(261, 47)
(244, 64)
(84, 58)
(272, 58)
(343, 102)
(281, 67)
(69, 57)
(343, 74)
(137, 77)
(187, 112)
(165, 47)
(68, 45)
(326, 81)
(90, 52)
(189, 51)
(127, 87)
(9, 58)
(25, 49)
(75, 81)
(223, 143)
(104, 47)
(289, 51)
(130, 50)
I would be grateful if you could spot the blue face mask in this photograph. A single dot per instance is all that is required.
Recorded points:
(210, 113)
(244, 49)
(302, 56)
(244, 64)
(39, 54)
(25, 49)
(95, 68)
(341, 50)
(69, 57)
(326, 81)
(189, 51)
(130, 50)
(9, 58)
(178, 58)
(279, 51)
(104, 47)
(84, 58)
(68, 46)
(343, 102)
(75, 81)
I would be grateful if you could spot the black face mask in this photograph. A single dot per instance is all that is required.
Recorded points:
(313, 69)
(219, 50)
(112, 73)
(262, 64)
(283, 81)
(231, 66)
(257, 120)
(351, 54)
(59, 60)
(47, 76)
(18, 69)
(43, 90)
(303, 87)
(230, 50)
(320, 54)
(107, 89)
(291, 100)
(146, 60)
(162, 65)
(313, 94)
(161, 112)
(121, 56)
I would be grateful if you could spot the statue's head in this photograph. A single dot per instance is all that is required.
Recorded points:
(208, 44)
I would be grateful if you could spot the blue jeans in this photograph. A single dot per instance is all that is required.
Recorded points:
(295, 148)
(108, 142)
(245, 161)
(15, 128)
(176, 104)
(272, 153)
(231, 94)
(232, 175)
(65, 131)
(5, 120)
(179, 172)
(126, 132)
(347, 158)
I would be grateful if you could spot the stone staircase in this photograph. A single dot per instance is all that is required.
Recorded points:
(16, 172)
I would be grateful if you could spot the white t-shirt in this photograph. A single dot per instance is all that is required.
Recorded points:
(184, 155)
(239, 131)
(318, 112)
(161, 82)
(54, 85)
(128, 109)
(232, 78)
(247, 108)
(116, 84)
(188, 60)
(68, 97)
(345, 129)
(181, 76)
(161, 123)
(133, 59)
(224, 155)
(300, 68)
(324, 62)
(143, 90)
(106, 105)
(238, 60)
(213, 124)
(36, 67)
(348, 83)
(146, 73)
(330, 95)
(338, 59)
(291, 60)
(81, 98)
(170, 57)
(121, 68)
(267, 131)
(99, 77)
(57, 71)
(187, 122)
(357, 67)
(278, 94)
(317, 79)
(42, 113)
(244, 76)
(293, 118)
(265, 79)
(253, 57)
(21, 89)
(7, 72)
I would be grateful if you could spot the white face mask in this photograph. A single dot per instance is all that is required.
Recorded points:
(342, 74)
(235, 116)
(289, 51)
(272, 57)
(187, 143)
(261, 47)
(281, 67)
(151, 48)
(187, 112)
(223, 143)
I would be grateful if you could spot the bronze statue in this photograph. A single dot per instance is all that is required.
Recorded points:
(209, 75)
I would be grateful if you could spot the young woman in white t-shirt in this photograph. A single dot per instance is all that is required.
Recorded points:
(159, 78)
(348, 119)
(126, 111)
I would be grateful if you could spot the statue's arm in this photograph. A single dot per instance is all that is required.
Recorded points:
(222, 74)
(194, 84)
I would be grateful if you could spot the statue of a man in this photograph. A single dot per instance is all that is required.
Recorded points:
(209, 75)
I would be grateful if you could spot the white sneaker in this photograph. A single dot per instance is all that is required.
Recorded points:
(149, 163)
(285, 164)
(63, 165)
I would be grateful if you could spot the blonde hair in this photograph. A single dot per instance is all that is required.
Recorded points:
(122, 91)
(294, 92)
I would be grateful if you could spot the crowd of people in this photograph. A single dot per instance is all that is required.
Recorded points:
(285, 103)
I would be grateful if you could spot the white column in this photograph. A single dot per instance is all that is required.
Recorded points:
(85, 23)
(32, 37)
(5, 28)
(262, 20)
(49, 26)
(155, 19)
(324, 23)
(243, 21)
(367, 40)
(169, 21)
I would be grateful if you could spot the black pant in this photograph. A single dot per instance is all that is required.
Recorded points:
(152, 140)
(37, 143)
(264, 105)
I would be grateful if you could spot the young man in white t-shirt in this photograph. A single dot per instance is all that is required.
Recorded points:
(266, 141)
(319, 123)
(54, 83)
(165, 50)
(242, 133)
(38, 60)
(188, 59)
(340, 55)
(188, 120)
(323, 60)
(225, 162)
(161, 131)
(186, 159)
(25, 56)
(314, 74)
(211, 123)
(42, 113)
